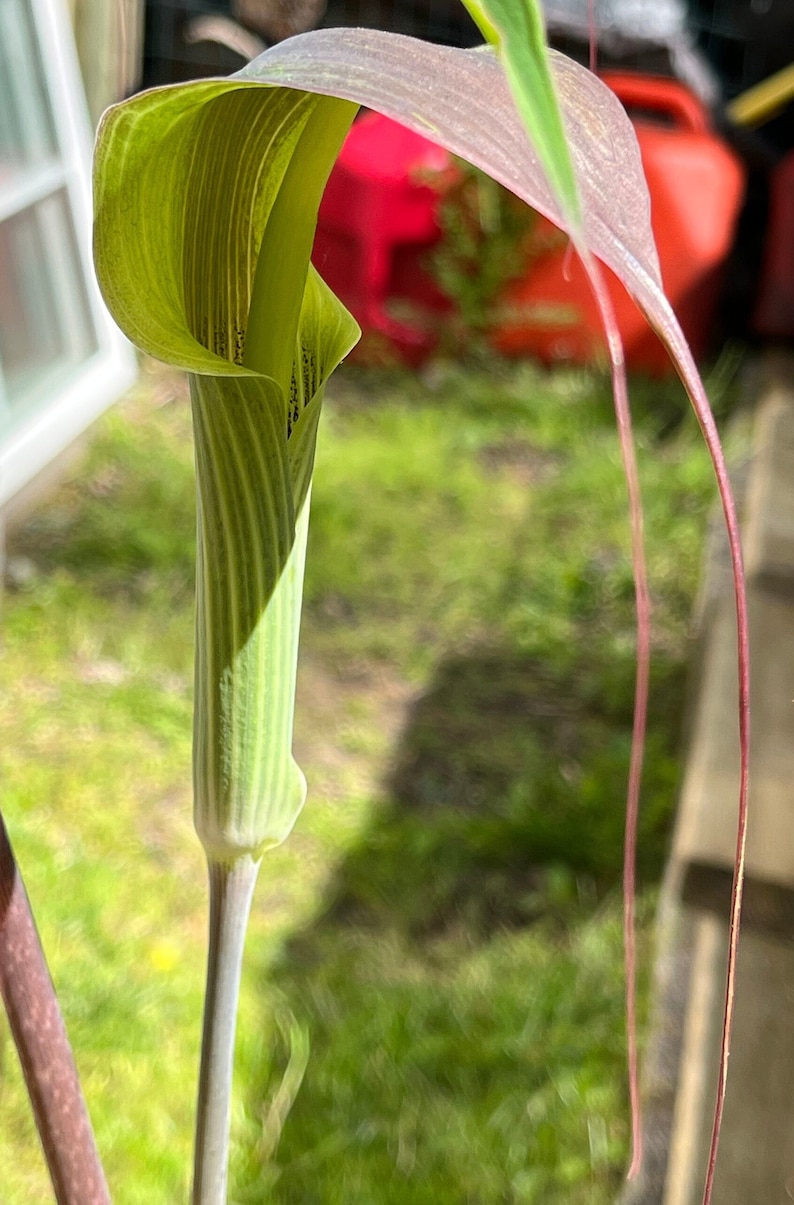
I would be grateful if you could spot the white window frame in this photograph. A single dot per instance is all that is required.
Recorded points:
(32, 442)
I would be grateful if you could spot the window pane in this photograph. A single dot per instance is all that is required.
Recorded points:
(27, 136)
(45, 319)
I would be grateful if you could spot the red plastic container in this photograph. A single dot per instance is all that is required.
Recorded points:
(696, 185)
(774, 316)
(378, 217)
(381, 199)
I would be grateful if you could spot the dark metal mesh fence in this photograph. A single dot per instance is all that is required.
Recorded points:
(745, 40)
(444, 21)
(737, 43)
(169, 57)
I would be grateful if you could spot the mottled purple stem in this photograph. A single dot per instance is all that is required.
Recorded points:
(43, 1047)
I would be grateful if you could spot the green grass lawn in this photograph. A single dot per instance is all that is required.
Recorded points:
(433, 1000)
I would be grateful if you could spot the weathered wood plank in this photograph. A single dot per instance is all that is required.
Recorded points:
(756, 1161)
(769, 528)
(706, 829)
(705, 838)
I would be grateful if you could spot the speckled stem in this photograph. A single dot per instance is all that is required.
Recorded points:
(44, 1052)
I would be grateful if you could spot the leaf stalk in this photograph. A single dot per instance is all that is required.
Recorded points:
(43, 1047)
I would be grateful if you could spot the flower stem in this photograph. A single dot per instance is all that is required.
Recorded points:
(231, 891)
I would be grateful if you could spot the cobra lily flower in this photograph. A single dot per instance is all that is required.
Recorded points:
(206, 199)
(202, 248)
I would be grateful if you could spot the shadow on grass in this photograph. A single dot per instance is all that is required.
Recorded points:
(508, 791)
(463, 992)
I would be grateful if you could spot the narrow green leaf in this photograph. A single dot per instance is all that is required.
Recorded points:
(517, 30)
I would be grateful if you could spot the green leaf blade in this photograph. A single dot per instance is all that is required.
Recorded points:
(470, 110)
(181, 209)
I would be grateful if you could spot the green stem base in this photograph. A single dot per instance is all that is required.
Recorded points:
(231, 892)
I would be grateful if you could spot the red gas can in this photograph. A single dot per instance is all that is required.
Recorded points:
(774, 316)
(381, 197)
(696, 185)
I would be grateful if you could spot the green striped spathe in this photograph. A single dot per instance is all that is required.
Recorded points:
(248, 790)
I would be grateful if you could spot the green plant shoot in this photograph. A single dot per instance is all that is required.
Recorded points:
(206, 201)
